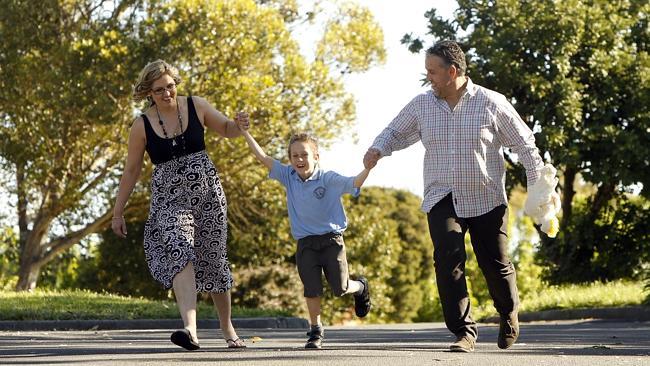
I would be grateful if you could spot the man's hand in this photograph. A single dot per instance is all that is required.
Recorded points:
(371, 158)
(242, 121)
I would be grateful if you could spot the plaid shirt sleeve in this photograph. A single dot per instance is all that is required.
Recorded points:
(515, 134)
(402, 132)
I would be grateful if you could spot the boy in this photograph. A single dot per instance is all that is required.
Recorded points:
(317, 223)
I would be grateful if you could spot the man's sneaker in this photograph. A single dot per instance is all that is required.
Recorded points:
(316, 335)
(362, 300)
(463, 343)
(508, 330)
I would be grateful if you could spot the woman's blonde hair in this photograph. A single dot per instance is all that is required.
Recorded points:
(151, 73)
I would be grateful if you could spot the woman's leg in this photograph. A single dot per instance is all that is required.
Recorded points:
(185, 292)
(222, 304)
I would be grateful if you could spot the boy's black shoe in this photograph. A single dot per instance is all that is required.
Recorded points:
(463, 343)
(316, 335)
(508, 330)
(362, 300)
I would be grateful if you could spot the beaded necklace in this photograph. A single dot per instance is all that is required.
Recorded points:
(176, 133)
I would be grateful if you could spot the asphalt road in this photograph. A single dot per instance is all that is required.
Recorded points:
(590, 342)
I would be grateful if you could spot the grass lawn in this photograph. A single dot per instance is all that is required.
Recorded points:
(78, 304)
(592, 295)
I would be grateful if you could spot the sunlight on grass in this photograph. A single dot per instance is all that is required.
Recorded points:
(80, 304)
(593, 295)
(617, 293)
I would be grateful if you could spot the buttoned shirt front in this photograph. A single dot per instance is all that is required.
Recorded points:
(314, 204)
(463, 147)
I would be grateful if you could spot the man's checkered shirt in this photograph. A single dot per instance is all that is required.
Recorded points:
(464, 147)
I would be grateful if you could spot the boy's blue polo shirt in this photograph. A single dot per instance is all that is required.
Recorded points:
(314, 205)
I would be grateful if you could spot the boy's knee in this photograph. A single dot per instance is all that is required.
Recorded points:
(340, 290)
(310, 293)
(339, 293)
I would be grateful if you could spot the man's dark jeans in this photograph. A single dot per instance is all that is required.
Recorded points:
(490, 242)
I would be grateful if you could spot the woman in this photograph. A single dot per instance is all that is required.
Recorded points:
(185, 234)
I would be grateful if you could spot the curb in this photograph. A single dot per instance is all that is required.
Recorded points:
(242, 323)
(627, 313)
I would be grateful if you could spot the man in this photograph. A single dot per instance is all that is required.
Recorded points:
(464, 128)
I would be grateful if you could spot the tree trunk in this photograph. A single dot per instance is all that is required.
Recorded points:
(604, 193)
(567, 196)
(28, 275)
(30, 254)
(30, 265)
(29, 270)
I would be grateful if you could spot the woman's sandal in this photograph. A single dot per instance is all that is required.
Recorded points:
(236, 343)
(184, 339)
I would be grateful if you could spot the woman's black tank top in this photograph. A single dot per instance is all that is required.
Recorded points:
(162, 150)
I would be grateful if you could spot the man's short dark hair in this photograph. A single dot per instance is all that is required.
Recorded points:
(451, 53)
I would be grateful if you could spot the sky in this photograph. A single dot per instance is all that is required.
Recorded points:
(382, 92)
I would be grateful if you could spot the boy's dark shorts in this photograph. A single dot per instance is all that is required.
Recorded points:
(322, 253)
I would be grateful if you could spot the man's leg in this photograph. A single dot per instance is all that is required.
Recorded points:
(447, 233)
(490, 242)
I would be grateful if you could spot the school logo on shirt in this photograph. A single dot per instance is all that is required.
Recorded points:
(319, 192)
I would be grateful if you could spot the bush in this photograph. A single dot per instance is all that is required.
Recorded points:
(118, 266)
(276, 286)
(611, 244)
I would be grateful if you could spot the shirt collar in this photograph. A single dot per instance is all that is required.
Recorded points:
(316, 175)
(470, 88)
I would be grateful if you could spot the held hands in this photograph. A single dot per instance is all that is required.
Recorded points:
(371, 158)
(119, 226)
(242, 120)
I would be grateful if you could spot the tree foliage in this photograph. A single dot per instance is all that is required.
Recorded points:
(387, 241)
(62, 91)
(578, 72)
(65, 77)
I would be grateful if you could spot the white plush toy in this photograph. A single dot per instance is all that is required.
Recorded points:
(543, 202)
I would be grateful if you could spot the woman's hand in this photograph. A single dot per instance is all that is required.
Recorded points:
(119, 226)
(242, 121)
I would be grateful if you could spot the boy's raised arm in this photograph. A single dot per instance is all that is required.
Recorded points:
(243, 123)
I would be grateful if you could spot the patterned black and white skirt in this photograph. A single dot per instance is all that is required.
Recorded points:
(187, 223)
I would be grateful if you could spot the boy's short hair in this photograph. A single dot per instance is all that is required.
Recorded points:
(303, 137)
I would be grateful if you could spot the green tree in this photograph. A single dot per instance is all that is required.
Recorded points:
(62, 71)
(118, 266)
(65, 74)
(579, 74)
(387, 241)
(8, 258)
